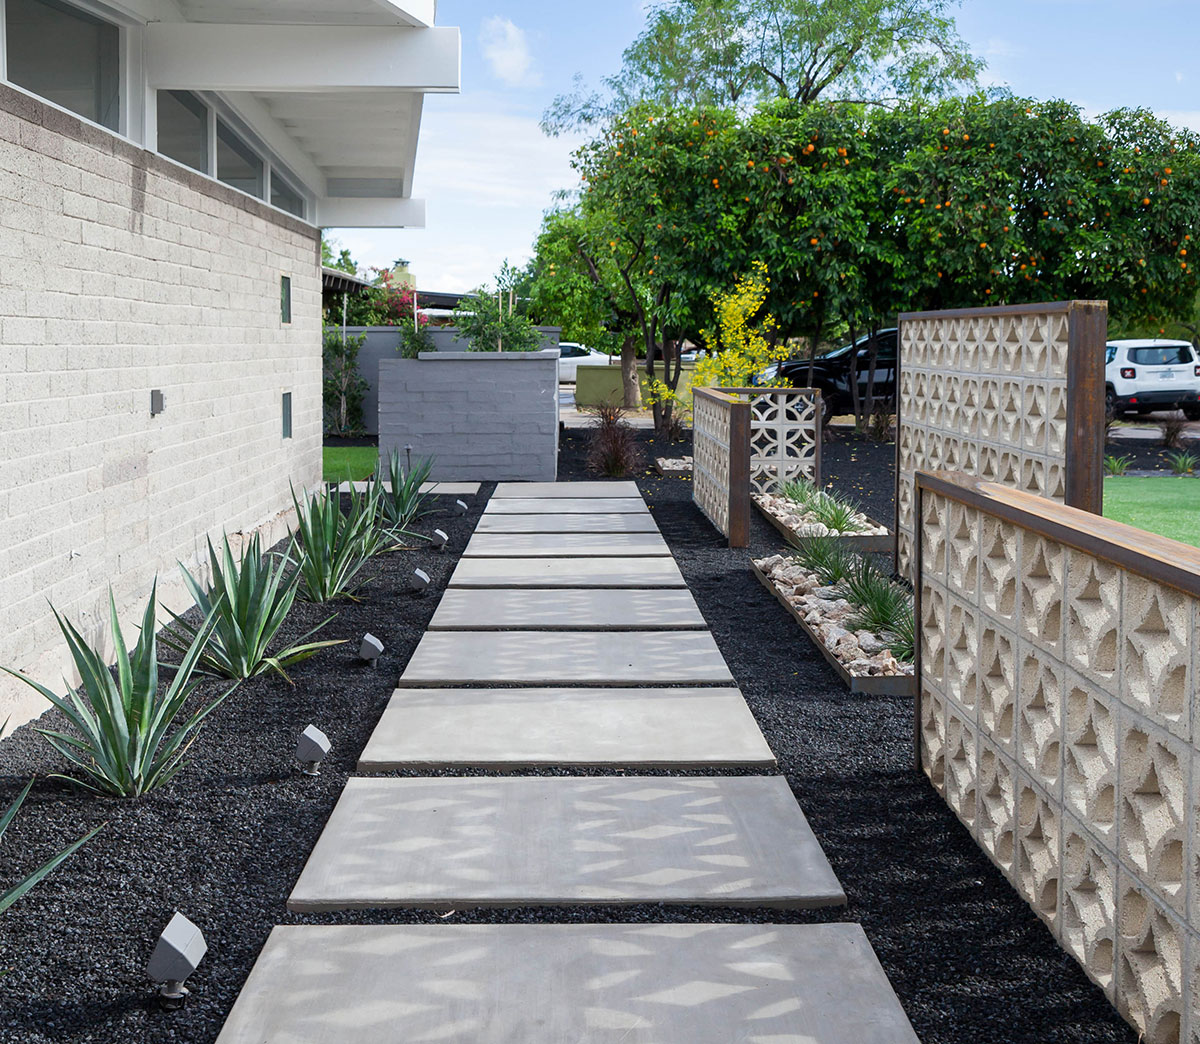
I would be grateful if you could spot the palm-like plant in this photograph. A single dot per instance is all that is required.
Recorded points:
(329, 547)
(399, 493)
(248, 600)
(123, 742)
(21, 887)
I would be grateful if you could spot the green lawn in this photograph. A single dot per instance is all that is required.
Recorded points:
(1169, 506)
(349, 463)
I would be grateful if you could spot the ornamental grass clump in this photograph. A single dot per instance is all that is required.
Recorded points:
(123, 743)
(612, 448)
(1116, 465)
(800, 491)
(329, 546)
(21, 887)
(1183, 463)
(248, 600)
(827, 557)
(880, 605)
(398, 493)
(836, 514)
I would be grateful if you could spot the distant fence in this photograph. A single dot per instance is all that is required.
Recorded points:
(1057, 665)
(750, 439)
(1013, 395)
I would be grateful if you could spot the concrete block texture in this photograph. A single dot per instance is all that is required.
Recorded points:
(481, 416)
(551, 840)
(129, 274)
(599, 983)
(1058, 719)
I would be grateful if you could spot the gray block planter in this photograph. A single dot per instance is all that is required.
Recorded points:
(482, 416)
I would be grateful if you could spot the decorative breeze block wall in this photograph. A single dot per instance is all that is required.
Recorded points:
(1059, 667)
(1013, 395)
(785, 435)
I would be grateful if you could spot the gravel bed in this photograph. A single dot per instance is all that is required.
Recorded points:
(226, 840)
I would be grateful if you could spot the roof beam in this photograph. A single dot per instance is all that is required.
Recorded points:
(411, 12)
(352, 212)
(201, 56)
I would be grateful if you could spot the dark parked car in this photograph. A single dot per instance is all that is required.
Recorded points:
(831, 372)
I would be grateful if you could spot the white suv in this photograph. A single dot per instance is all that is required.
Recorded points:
(1143, 376)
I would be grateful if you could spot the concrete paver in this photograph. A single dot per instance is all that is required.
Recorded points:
(563, 523)
(551, 490)
(568, 983)
(568, 506)
(522, 728)
(549, 840)
(447, 658)
(566, 545)
(567, 572)
(484, 609)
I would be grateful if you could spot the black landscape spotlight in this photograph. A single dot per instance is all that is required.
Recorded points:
(178, 952)
(419, 581)
(370, 649)
(460, 507)
(311, 749)
(439, 539)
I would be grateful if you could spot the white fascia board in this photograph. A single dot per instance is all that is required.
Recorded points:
(200, 56)
(347, 212)
(411, 12)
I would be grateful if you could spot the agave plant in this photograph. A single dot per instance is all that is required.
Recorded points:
(1183, 463)
(21, 887)
(399, 496)
(1116, 465)
(123, 742)
(248, 600)
(329, 546)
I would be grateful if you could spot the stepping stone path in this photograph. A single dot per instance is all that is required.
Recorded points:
(567, 638)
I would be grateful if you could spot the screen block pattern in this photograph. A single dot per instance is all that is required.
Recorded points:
(1013, 395)
(1059, 717)
(719, 423)
(785, 435)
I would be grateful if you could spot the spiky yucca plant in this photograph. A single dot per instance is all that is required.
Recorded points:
(248, 601)
(825, 556)
(329, 546)
(123, 742)
(880, 604)
(399, 497)
(836, 514)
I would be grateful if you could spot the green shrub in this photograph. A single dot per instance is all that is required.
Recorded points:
(825, 556)
(1183, 463)
(248, 601)
(21, 887)
(329, 547)
(835, 513)
(1116, 465)
(800, 491)
(123, 743)
(343, 386)
(398, 496)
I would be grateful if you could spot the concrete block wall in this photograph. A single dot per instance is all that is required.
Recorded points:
(121, 272)
(1059, 667)
(383, 342)
(482, 416)
(1013, 394)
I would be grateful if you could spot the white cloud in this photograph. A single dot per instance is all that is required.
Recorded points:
(1179, 76)
(1189, 118)
(506, 49)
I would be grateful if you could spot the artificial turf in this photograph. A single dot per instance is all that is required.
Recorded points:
(348, 463)
(1168, 505)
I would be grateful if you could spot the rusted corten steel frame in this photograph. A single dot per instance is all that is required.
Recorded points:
(1072, 335)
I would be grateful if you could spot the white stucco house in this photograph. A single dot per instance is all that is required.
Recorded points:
(165, 169)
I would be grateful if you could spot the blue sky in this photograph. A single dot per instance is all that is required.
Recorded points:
(487, 172)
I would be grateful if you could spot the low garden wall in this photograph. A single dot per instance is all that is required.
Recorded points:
(748, 440)
(1013, 394)
(383, 342)
(482, 416)
(599, 384)
(1058, 661)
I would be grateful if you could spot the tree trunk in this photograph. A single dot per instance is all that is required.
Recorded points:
(629, 375)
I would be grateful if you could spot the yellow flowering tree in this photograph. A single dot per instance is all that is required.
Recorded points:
(740, 347)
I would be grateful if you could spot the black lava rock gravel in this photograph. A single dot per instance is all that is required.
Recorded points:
(226, 840)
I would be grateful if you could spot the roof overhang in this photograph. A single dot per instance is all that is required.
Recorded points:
(335, 89)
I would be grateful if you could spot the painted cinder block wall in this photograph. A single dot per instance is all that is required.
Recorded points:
(121, 272)
(481, 416)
